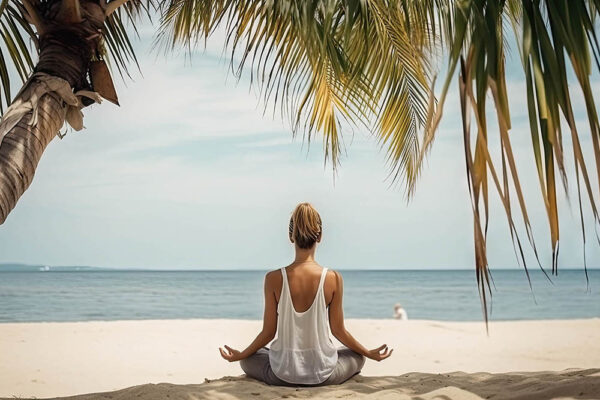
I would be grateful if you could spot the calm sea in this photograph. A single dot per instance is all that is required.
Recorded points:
(425, 294)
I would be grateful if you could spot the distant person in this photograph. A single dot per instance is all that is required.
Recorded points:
(400, 312)
(302, 302)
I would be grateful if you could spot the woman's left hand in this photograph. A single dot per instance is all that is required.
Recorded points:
(230, 354)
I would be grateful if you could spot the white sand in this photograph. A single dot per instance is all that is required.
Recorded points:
(61, 359)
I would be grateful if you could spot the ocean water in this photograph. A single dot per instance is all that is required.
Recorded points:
(425, 294)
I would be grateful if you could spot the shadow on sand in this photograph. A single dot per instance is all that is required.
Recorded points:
(567, 384)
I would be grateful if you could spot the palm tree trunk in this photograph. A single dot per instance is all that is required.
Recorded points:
(23, 146)
(64, 54)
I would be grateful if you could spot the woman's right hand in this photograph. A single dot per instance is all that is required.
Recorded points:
(380, 353)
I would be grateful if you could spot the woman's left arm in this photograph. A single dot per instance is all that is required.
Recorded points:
(269, 325)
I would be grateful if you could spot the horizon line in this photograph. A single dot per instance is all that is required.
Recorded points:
(237, 269)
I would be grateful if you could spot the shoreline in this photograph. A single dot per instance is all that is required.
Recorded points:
(50, 359)
(499, 321)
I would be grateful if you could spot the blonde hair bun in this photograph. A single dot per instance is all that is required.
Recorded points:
(305, 226)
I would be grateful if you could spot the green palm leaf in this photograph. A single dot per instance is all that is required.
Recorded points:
(552, 36)
(329, 64)
(16, 53)
(120, 52)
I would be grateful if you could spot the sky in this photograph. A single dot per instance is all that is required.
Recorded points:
(190, 173)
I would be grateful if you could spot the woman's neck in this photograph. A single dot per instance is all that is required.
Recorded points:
(305, 255)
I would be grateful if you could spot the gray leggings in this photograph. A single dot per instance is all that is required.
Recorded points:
(257, 366)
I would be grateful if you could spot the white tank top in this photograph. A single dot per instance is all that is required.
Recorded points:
(303, 352)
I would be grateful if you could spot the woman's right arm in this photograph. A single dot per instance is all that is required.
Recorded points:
(336, 323)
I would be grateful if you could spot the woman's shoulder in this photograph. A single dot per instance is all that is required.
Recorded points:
(274, 277)
(333, 278)
(273, 281)
(274, 272)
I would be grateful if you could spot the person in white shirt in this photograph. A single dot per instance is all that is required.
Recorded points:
(303, 302)
(400, 312)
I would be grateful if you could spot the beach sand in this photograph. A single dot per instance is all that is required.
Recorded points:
(551, 359)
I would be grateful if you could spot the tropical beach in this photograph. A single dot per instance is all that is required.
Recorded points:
(178, 359)
(233, 199)
(98, 347)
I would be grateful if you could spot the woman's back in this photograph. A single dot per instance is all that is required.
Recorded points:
(303, 283)
(303, 351)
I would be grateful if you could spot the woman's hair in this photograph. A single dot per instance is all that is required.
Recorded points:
(305, 226)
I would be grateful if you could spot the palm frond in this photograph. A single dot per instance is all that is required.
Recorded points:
(554, 37)
(328, 64)
(119, 52)
(17, 48)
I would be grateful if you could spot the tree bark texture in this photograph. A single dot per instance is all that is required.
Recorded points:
(22, 148)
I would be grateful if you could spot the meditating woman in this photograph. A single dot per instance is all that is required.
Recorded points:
(303, 302)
